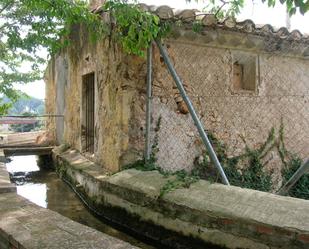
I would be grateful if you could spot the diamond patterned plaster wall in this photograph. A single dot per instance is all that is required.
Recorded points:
(282, 94)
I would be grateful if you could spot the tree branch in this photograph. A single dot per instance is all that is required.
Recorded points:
(9, 4)
(221, 7)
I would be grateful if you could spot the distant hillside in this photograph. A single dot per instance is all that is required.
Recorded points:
(26, 104)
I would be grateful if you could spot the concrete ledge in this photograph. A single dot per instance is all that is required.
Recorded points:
(2, 156)
(229, 217)
(20, 139)
(25, 225)
(5, 185)
(29, 150)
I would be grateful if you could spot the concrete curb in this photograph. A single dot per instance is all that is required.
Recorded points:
(224, 216)
(5, 184)
(24, 225)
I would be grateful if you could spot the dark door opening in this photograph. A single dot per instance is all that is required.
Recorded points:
(88, 113)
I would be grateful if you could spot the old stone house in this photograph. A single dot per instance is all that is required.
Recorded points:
(243, 80)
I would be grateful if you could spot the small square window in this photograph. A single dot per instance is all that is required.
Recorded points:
(245, 72)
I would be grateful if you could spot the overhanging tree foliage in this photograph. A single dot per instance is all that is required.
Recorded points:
(234, 7)
(27, 26)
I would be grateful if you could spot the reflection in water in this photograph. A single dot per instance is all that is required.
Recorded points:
(22, 169)
(45, 189)
(38, 197)
(22, 164)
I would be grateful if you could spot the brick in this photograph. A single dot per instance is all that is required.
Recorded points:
(227, 221)
(264, 230)
(304, 238)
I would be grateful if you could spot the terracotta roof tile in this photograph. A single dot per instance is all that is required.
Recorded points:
(165, 12)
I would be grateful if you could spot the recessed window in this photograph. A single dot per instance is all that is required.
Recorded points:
(245, 71)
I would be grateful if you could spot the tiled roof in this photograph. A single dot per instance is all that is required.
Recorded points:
(188, 16)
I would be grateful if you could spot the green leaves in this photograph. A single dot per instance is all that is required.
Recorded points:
(27, 26)
(134, 29)
(292, 6)
(222, 8)
(301, 188)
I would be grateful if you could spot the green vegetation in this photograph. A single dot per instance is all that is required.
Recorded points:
(25, 104)
(291, 163)
(135, 29)
(28, 26)
(178, 179)
(251, 174)
(301, 188)
(222, 8)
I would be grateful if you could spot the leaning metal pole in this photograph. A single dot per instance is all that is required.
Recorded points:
(148, 103)
(197, 121)
(303, 169)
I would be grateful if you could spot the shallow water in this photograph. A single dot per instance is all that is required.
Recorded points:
(44, 188)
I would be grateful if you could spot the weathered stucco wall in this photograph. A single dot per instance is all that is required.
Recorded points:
(119, 86)
(50, 98)
(281, 94)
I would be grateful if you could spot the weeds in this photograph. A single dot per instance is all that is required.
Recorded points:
(182, 180)
(301, 188)
(252, 176)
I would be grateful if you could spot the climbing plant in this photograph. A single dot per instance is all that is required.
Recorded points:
(301, 188)
(291, 163)
(251, 175)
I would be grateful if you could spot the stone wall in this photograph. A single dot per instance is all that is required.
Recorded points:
(280, 95)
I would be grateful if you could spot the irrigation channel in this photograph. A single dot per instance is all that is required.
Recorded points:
(44, 188)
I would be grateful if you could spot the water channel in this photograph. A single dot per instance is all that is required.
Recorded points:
(44, 188)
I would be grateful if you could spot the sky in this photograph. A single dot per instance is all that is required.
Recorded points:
(254, 10)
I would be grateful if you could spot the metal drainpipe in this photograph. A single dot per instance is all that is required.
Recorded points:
(196, 120)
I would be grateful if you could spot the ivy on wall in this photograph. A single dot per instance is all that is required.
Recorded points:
(252, 175)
